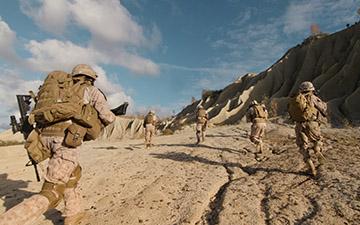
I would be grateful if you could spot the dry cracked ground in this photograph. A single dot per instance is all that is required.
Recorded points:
(219, 182)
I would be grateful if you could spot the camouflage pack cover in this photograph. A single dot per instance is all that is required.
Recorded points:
(58, 99)
(260, 111)
(201, 116)
(300, 109)
(149, 119)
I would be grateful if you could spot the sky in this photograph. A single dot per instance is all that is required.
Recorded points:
(154, 54)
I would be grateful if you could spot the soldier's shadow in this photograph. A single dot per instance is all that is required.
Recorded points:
(11, 191)
(12, 194)
(184, 157)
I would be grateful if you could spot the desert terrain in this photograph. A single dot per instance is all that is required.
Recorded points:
(221, 181)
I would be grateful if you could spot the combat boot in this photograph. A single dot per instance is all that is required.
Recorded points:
(75, 219)
(312, 167)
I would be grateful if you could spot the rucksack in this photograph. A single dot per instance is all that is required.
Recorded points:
(201, 116)
(149, 119)
(201, 113)
(260, 111)
(300, 110)
(58, 99)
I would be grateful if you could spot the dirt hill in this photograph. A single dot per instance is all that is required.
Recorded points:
(331, 62)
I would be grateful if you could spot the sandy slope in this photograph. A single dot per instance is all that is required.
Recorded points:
(219, 182)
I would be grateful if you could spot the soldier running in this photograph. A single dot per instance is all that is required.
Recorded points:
(201, 124)
(63, 171)
(149, 125)
(257, 115)
(307, 110)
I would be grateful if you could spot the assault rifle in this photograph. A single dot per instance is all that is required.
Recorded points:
(23, 126)
(121, 109)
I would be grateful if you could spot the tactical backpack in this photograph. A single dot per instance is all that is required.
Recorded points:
(260, 111)
(300, 110)
(149, 119)
(58, 99)
(201, 116)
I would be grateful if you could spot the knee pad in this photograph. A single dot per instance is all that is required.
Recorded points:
(53, 192)
(74, 178)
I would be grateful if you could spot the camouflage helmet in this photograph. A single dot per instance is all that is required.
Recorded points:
(306, 86)
(84, 69)
(152, 112)
(200, 107)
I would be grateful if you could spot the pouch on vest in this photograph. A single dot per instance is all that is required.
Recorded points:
(92, 118)
(35, 147)
(74, 135)
(89, 118)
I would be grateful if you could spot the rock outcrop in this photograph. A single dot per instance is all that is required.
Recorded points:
(331, 62)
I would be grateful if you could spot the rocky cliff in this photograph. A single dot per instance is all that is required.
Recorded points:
(331, 62)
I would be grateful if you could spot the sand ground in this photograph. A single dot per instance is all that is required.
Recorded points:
(218, 182)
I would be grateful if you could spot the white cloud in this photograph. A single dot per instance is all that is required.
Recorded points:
(51, 15)
(299, 17)
(11, 84)
(301, 14)
(114, 92)
(115, 36)
(220, 70)
(107, 21)
(54, 54)
(252, 46)
(7, 39)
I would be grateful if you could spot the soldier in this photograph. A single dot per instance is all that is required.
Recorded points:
(257, 114)
(308, 110)
(149, 125)
(63, 171)
(201, 123)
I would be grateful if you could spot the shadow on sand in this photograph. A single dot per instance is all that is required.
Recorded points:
(10, 191)
(230, 150)
(12, 194)
(183, 157)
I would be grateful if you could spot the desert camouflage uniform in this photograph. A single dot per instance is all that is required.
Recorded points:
(309, 132)
(258, 127)
(201, 124)
(60, 170)
(149, 129)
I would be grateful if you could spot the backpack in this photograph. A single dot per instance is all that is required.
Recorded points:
(260, 111)
(201, 113)
(300, 110)
(201, 116)
(58, 99)
(149, 119)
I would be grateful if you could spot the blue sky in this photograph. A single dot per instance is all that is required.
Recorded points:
(153, 53)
